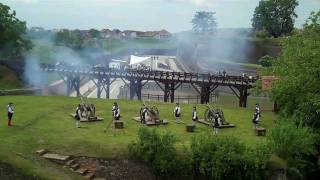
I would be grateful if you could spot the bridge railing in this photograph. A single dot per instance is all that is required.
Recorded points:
(210, 77)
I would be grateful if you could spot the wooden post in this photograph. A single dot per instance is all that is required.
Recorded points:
(108, 88)
(172, 92)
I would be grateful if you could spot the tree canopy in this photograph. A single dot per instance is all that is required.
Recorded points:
(277, 17)
(204, 22)
(298, 90)
(72, 39)
(12, 31)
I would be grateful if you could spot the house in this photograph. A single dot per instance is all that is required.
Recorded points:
(130, 33)
(85, 33)
(106, 33)
(163, 34)
(116, 33)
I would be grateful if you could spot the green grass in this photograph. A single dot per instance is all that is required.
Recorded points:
(44, 122)
(229, 62)
(117, 45)
(8, 79)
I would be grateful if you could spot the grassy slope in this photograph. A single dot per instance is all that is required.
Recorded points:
(44, 122)
(8, 79)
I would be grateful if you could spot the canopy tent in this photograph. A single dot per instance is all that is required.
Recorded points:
(138, 60)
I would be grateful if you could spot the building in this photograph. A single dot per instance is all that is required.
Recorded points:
(130, 33)
(106, 33)
(163, 34)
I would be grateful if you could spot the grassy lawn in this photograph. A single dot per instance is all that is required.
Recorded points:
(44, 122)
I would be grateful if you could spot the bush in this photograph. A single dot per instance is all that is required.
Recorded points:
(157, 150)
(227, 158)
(262, 34)
(266, 61)
(294, 144)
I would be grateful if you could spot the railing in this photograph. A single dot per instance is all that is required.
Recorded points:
(155, 74)
(178, 98)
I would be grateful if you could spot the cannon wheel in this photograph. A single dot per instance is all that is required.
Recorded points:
(155, 109)
(208, 116)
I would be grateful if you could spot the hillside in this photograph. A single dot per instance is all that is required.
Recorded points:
(8, 79)
(44, 122)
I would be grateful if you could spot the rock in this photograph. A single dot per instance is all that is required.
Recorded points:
(82, 171)
(75, 167)
(58, 157)
(41, 152)
(70, 162)
(89, 176)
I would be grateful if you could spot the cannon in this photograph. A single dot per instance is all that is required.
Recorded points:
(149, 115)
(152, 112)
(87, 111)
(209, 115)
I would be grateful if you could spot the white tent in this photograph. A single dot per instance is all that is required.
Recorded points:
(138, 60)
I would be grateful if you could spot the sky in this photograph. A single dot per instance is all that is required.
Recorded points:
(173, 15)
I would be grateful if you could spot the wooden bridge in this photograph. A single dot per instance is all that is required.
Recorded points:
(168, 82)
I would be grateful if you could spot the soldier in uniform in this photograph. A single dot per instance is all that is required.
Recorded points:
(216, 122)
(177, 112)
(256, 116)
(115, 111)
(10, 113)
(78, 115)
(194, 114)
(143, 115)
(257, 109)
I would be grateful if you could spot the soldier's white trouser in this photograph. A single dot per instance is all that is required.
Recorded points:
(77, 124)
(215, 130)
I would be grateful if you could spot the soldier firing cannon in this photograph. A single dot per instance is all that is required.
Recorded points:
(149, 115)
(87, 111)
(215, 117)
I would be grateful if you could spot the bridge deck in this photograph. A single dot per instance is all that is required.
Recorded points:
(175, 77)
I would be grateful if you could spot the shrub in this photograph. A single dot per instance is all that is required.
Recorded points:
(266, 61)
(158, 151)
(262, 34)
(227, 158)
(294, 144)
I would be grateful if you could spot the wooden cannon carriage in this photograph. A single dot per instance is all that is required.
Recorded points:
(87, 111)
(151, 116)
(209, 117)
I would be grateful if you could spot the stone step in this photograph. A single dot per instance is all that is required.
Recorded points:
(82, 171)
(41, 152)
(57, 157)
(74, 167)
(89, 176)
(70, 162)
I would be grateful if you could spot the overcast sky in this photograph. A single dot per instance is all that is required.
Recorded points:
(173, 15)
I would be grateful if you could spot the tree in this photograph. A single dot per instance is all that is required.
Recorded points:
(72, 39)
(12, 31)
(94, 33)
(204, 22)
(298, 67)
(275, 16)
